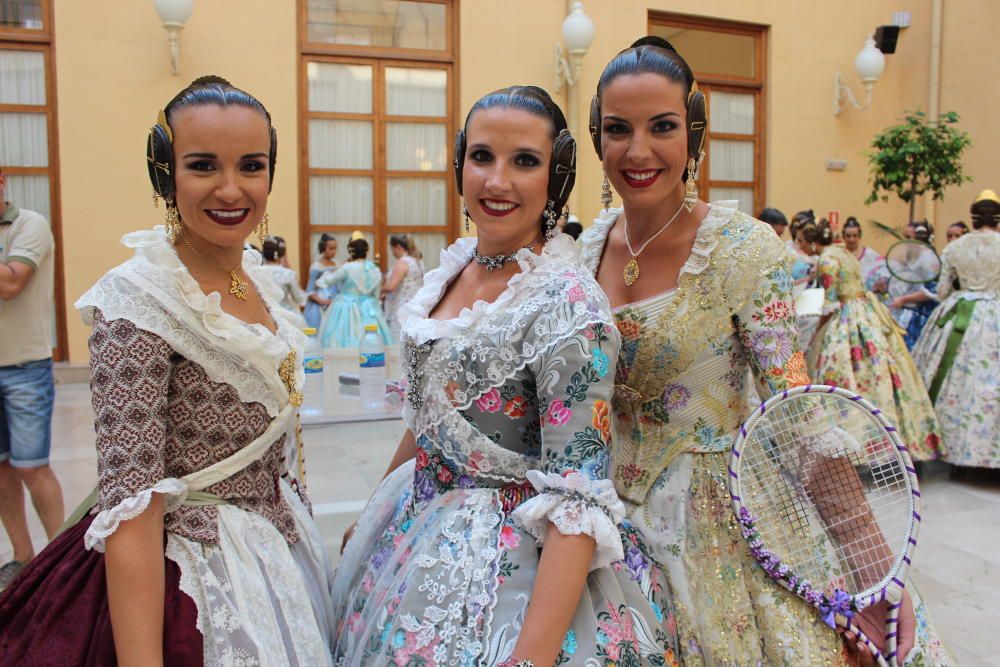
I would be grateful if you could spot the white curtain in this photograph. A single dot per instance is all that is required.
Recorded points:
(417, 201)
(743, 195)
(341, 200)
(730, 160)
(340, 88)
(340, 144)
(416, 92)
(30, 192)
(732, 113)
(416, 147)
(24, 140)
(22, 77)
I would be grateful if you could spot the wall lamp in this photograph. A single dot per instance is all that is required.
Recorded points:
(174, 14)
(869, 64)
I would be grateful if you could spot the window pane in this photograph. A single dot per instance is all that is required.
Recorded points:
(343, 88)
(340, 144)
(730, 160)
(24, 141)
(417, 201)
(396, 23)
(429, 244)
(416, 147)
(743, 195)
(340, 200)
(731, 112)
(30, 192)
(25, 14)
(416, 92)
(710, 52)
(22, 77)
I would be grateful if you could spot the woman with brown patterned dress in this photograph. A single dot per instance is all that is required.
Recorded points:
(196, 549)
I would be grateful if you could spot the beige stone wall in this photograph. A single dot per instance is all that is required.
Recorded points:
(113, 74)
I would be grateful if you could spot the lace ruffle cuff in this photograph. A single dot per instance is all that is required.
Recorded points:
(576, 506)
(107, 522)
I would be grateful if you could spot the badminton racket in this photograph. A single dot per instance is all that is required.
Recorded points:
(913, 262)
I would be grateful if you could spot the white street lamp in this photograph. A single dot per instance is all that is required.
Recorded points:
(578, 35)
(174, 14)
(869, 64)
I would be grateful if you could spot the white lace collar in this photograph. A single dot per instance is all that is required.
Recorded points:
(155, 291)
(706, 238)
(415, 315)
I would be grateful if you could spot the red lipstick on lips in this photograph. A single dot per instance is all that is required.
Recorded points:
(229, 220)
(484, 204)
(635, 183)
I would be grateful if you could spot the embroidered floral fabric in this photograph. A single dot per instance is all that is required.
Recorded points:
(509, 405)
(968, 398)
(860, 349)
(684, 368)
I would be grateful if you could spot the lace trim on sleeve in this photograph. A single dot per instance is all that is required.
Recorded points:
(576, 506)
(107, 522)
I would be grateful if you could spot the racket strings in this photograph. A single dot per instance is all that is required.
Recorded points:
(829, 493)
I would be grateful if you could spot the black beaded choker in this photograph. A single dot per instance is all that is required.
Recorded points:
(495, 262)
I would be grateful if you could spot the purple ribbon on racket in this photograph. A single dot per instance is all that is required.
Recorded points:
(839, 604)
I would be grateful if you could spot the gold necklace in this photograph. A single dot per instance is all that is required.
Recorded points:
(631, 271)
(237, 286)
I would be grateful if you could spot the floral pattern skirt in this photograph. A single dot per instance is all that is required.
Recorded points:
(448, 581)
(968, 401)
(861, 349)
(728, 610)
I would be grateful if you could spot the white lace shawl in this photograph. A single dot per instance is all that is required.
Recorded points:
(155, 292)
(485, 346)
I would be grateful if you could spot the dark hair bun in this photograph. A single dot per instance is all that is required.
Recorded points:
(653, 40)
(208, 80)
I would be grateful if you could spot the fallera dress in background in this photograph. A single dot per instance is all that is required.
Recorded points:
(313, 312)
(509, 406)
(679, 399)
(292, 296)
(860, 348)
(189, 404)
(358, 283)
(959, 350)
(405, 291)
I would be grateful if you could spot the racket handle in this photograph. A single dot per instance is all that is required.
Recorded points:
(863, 638)
(892, 625)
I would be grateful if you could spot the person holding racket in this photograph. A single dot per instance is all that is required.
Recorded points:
(700, 293)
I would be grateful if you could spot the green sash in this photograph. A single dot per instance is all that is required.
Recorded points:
(194, 498)
(961, 314)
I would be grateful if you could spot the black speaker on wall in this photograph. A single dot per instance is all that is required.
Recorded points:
(886, 37)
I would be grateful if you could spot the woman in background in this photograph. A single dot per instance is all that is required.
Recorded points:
(357, 302)
(912, 304)
(274, 251)
(870, 260)
(318, 300)
(404, 280)
(859, 347)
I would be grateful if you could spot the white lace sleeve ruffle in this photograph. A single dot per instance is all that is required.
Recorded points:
(576, 506)
(107, 522)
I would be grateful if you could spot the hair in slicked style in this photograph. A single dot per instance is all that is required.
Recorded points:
(772, 216)
(534, 100)
(655, 55)
(203, 91)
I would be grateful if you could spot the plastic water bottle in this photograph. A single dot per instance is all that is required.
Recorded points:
(371, 359)
(312, 364)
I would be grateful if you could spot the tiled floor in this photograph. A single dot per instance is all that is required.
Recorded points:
(957, 564)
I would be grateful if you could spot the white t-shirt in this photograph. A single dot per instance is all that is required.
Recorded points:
(26, 320)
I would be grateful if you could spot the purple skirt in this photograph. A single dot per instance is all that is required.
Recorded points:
(56, 611)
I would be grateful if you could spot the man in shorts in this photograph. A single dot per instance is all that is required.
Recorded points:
(27, 390)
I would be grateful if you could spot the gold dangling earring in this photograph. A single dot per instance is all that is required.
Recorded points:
(690, 186)
(465, 211)
(262, 230)
(606, 193)
(172, 222)
(156, 200)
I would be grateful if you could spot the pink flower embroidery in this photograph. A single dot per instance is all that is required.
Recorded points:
(559, 414)
(509, 539)
(490, 401)
(576, 294)
(619, 630)
(856, 353)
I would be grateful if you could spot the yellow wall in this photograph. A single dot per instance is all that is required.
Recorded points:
(113, 74)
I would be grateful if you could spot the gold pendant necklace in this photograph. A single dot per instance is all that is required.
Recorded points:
(237, 286)
(631, 271)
